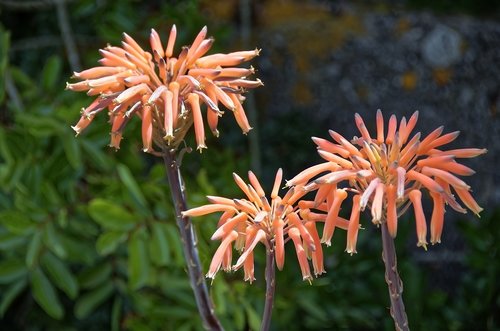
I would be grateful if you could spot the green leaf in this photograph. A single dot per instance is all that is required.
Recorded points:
(111, 216)
(11, 270)
(11, 294)
(88, 302)
(45, 294)
(51, 72)
(40, 126)
(138, 260)
(60, 275)
(96, 156)
(52, 240)
(158, 246)
(252, 317)
(16, 222)
(72, 150)
(116, 314)
(109, 241)
(95, 275)
(4, 59)
(9, 241)
(34, 248)
(174, 242)
(133, 188)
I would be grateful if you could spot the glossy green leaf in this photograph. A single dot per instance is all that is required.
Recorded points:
(9, 241)
(111, 216)
(133, 188)
(4, 59)
(60, 274)
(51, 72)
(72, 151)
(52, 240)
(138, 259)
(89, 302)
(108, 242)
(34, 249)
(11, 270)
(158, 245)
(9, 295)
(116, 313)
(45, 294)
(95, 275)
(16, 222)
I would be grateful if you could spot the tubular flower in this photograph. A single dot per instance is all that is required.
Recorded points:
(246, 222)
(164, 91)
(387, 173)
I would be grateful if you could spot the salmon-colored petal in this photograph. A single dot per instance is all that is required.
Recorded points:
(219, 254)
(295, 221)
(346, 164)
(227, 259)
(353, 228)
(256, 184)
(346, 144)
(294, 234)
(168, 116)
(207, 209)
(277, 183)
(156, 46)
(147, 129)
(279, 242)
(317, 254)
(465, 152)
(174, 88)
(365, 197)
(416, 199)
(330, 147)
(380, 126)
(426, 181)
(391, 129)
(362, 127)
(194, 102)
(392, 215)
(229, 226)
(446, 176)
(259, 236)
(468, 200)
(377, 203)
(248, 268)
(242, 185)
(437, 218)
(309, 173)
(339, 196)
(404, 132)
(171, 41)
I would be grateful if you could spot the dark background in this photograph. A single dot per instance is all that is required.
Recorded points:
(61, 268)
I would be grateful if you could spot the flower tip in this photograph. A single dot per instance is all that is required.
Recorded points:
(422, 244)
(76, 129)
(200, 147)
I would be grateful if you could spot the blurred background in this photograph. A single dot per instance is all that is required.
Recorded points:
(87, 235)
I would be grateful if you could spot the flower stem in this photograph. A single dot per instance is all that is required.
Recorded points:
(189, 244)
(394, 283)
(270, 286)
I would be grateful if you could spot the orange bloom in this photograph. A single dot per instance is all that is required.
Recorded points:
(248, 221)
(164, 91)
(387, 173)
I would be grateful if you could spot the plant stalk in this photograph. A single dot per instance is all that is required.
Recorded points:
(394, 283)
(270, 287)
(189, 244)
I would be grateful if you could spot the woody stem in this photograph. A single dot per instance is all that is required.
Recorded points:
(394, 283)
(270, 286)
(189, 244)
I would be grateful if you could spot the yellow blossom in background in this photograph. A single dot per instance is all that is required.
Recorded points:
(388, 173)
(164, 91)
(246, 222)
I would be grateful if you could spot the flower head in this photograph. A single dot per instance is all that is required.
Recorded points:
(246, 222)
(164, 91)
(387, 173)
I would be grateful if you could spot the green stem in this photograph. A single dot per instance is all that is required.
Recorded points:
(394, 283)
(270, 287)
(189, 245)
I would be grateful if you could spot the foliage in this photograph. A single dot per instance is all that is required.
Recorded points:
(87, 236)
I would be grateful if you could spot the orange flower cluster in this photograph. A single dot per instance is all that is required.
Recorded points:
(164, 91)
(387, 173)
(246, 222)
